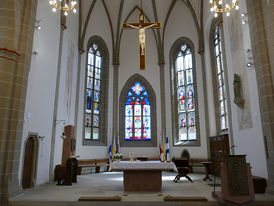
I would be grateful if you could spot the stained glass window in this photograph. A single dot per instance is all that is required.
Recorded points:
(93, 93)
(137, 114)
(186, 94)
(220, 80)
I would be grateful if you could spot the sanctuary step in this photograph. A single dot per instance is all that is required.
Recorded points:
(173, 198)
(114, 198)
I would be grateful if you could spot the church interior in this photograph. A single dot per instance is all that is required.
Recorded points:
(184, 85)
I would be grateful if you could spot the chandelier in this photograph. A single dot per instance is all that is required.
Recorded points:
(220, 6)
(63, 5)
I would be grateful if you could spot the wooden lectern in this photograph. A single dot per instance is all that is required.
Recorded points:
(66, 173)
(67, 144)
(236, 181)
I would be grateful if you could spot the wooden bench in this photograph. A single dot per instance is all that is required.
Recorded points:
(197, 163)
(259, 184)
(97, 163)
(66, 175)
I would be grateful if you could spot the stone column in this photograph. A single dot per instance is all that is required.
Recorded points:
(16, 37)
(202, 54)
(63, 27)
(80, 52)
(163, 95)
(261, 22)
(115, 119)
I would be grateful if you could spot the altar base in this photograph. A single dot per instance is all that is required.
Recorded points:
(142, 180)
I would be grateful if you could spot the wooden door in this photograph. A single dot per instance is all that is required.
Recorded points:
(219, 149)
(28, 163)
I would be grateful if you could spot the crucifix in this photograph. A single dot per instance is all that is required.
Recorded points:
(142, 25)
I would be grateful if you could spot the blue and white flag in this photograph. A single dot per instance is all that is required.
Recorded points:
(168, 156)
(110, 153)
(113, 151)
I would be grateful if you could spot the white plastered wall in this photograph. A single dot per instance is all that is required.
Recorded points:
(181, 24)
(68, 78)
(129, 65)
(98, 25)
(247, 140)
(41, 88)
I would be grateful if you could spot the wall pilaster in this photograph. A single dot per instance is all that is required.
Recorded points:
(202, 54)
(16, 37)
(63, 27)
(115, 120)
(163, 95)
(261, 16)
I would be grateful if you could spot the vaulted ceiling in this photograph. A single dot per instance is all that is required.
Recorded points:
(116, 7)
(120, 11)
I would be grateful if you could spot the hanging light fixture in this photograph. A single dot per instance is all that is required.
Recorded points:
(223, 6)
(63, 5)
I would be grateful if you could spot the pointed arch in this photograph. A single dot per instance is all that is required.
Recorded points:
(218, 76)
(96, 93)
(147, 91)
(30, 161)
(184, 95)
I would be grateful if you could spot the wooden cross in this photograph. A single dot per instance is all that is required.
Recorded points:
(141, 25)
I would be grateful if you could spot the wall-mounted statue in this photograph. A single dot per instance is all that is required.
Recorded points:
(237, 91)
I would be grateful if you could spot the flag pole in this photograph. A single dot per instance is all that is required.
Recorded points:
(164, 151)
(113, 145)
(168, 155)
(118, 143)
(160, 147)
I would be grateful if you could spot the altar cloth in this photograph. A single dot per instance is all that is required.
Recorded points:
(142, 165)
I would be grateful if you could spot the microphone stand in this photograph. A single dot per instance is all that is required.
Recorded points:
(214, 182)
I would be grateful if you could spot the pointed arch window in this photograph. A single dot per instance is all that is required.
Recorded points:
(220, 94)
(93, 91)
(95, 115)
(137, 114)
(184, 96)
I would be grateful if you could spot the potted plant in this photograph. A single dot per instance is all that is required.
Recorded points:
(118, 157)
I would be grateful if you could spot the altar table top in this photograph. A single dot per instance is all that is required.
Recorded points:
(142, 165)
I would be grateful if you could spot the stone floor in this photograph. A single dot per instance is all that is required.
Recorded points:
(108, 184)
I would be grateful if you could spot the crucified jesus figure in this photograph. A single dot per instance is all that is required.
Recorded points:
(142, 35)
(142, 26)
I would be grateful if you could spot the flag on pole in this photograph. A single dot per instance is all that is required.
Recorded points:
(168, 156)
(110, 148)
(110, 153)
(113, 146)
(160, 149)
(164, 151)
(118, 145)
(161, 154)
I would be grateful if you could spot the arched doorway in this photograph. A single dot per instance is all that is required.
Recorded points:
(29, 169)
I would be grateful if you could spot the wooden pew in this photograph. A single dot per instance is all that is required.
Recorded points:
(98, 163)
(66, 175)
(101, 163)
(196, 163)
(89, 163)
